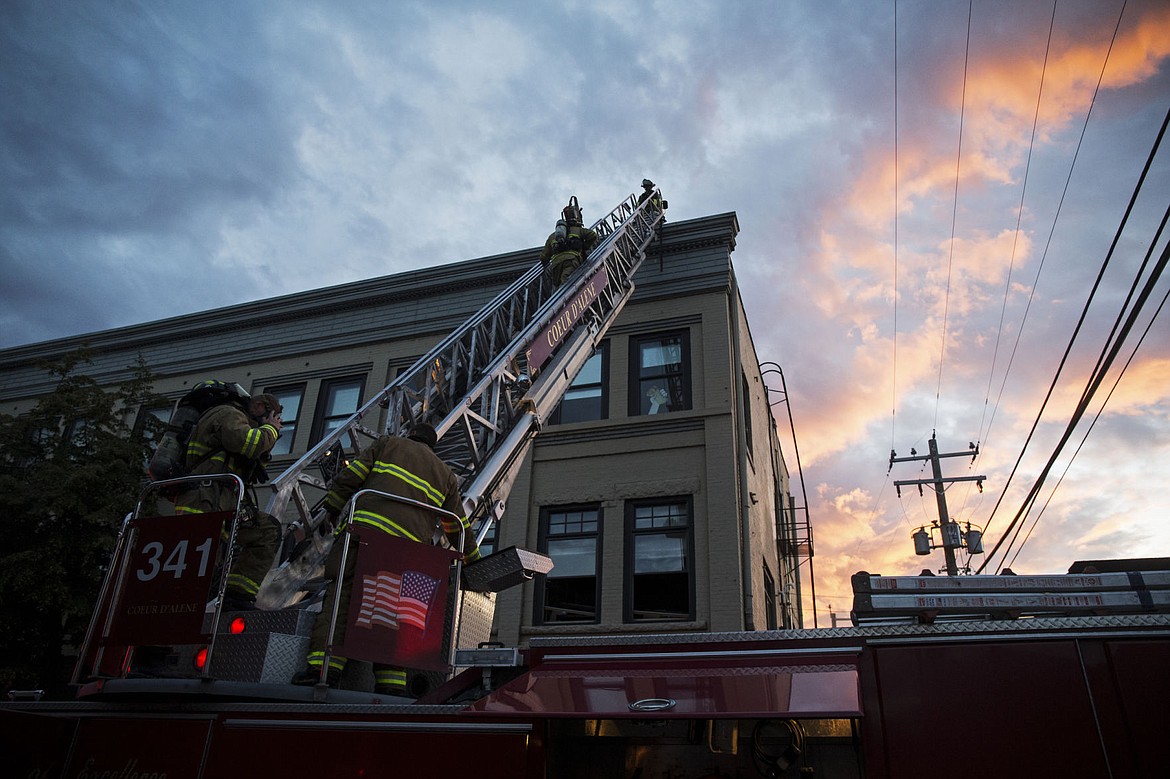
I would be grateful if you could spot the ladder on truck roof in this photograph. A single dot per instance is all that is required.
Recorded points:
(487, 387)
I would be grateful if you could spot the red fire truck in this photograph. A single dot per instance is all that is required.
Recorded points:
(964, 676)
(1072, 694)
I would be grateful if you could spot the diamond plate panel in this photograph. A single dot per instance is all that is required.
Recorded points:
(506, 568)
(270, 658)
(293, 622)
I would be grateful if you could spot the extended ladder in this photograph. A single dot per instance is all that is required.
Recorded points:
(478, 388)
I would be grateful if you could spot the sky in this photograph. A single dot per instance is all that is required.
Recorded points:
(927, 192)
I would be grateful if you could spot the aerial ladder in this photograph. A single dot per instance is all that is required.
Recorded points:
(486, 388)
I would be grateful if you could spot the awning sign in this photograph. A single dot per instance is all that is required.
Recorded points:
(560, 327)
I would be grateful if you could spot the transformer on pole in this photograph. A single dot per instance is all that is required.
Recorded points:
(952, 535)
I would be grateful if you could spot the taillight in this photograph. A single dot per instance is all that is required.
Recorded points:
(201, 658)
(237, 625)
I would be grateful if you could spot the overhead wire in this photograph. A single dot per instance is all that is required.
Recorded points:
(983, 434)
(1091, 389)
(1110, 350)
(1112, 346)
(897, 206)
(1035, 283)
(1096, 417)
(954, 216)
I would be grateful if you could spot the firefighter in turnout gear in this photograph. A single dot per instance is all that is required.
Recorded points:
(655, 198)
(568, 246)
(231, 439)
(407, 467)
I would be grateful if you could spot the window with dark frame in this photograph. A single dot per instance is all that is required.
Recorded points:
(659, 561)
(571, 537)
(769, 598)
(747, 413)
(338, 400)
(151, 423)
(660, 373)
(290, 398)
(587, 398)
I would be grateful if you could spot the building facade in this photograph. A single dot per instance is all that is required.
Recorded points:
(658, 487)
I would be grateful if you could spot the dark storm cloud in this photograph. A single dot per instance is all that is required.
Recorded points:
(123, 122)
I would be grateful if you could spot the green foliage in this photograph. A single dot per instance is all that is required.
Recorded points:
(70, 471)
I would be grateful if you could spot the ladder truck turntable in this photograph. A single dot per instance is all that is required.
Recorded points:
(975, 676)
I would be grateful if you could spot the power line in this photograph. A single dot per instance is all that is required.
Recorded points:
(954, 217)
(897, 205)
(983, 435)
(1035, 283)
(1097, 416)
(1079, 412)
(1103, 364)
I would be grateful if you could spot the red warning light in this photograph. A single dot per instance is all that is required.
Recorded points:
(200, 658)
(237, 625)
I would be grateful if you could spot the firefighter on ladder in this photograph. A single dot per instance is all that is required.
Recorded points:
(655, 198)
(568, 246)
(407, 467)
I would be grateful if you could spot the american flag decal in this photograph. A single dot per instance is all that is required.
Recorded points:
(389, 599)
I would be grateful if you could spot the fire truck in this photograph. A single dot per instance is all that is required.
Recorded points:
(1007, 675)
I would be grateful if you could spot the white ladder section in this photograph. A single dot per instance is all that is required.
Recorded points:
(476, 387)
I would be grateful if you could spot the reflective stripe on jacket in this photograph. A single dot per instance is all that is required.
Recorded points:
(235, 442)
(409, 469)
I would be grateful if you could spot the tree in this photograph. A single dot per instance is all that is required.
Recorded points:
(70, 471)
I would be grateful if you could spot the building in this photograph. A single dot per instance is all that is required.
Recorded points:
(658, 488)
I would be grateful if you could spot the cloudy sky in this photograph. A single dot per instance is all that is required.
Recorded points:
(927, 192)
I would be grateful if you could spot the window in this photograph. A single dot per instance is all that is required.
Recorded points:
(660, 373)
(570, 536)
(659, 561)
(747, 412)
(586, 399)
(290, 398)
(338, 401)
(769, 598)
(151, 423)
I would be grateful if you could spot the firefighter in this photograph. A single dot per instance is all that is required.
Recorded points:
(569, 244)
(655, 198)
(233, 439)
(407, 467)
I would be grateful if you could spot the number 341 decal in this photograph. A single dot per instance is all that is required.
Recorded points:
(175, 562)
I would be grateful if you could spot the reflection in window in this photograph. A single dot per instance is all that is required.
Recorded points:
(290, 398)
(569, 536)
(659, 586)
(660, 374)
(585, 400)
(339, 400)
(152, 423)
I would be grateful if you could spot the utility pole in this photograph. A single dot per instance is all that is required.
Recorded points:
(952, 537)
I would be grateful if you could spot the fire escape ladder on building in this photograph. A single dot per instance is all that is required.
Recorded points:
(490, 384)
